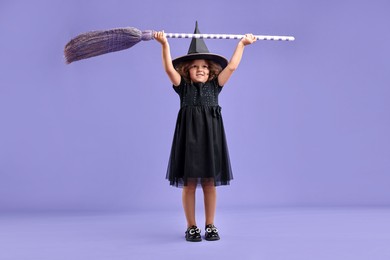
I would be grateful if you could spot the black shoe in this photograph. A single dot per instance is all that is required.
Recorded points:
(193, 234)
(211, 233)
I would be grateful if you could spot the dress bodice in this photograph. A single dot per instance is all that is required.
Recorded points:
(198, 94)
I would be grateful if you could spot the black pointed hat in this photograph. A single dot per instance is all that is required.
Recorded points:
(199, 51)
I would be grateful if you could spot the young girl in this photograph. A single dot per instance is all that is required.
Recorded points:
(199, 154)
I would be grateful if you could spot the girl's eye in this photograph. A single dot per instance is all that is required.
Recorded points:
(196, 67)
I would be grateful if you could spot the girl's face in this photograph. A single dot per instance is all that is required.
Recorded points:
(199, 71)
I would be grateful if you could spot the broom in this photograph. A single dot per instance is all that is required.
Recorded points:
(96, 43)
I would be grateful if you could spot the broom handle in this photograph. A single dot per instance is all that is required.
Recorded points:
(228, 36)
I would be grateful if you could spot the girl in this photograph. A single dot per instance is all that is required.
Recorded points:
(199, 154)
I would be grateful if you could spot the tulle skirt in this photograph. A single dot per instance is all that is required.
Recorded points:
(199, 150)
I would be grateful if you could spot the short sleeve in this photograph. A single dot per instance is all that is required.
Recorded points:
(179, 89)
(216, 85)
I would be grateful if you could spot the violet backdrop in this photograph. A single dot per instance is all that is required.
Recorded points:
(307, 122)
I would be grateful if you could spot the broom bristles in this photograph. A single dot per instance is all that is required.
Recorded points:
(96, 43)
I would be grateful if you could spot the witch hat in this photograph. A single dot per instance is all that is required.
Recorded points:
(199, 51)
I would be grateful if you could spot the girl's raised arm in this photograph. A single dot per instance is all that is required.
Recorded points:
(173, 75)
(225, 74)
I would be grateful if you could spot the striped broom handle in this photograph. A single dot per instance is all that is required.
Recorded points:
(228, 36)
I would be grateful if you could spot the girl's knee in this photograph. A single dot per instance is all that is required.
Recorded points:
(208, 182)
(208, 185)
(190, 187)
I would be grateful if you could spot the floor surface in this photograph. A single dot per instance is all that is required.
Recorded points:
(264, 233)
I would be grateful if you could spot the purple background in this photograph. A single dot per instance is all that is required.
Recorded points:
(307, 122)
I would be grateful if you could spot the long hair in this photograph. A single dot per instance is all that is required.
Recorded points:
(184, 67)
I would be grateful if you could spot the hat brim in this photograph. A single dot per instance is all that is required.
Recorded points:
(201, 56)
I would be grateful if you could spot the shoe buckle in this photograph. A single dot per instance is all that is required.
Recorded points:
(192, 231)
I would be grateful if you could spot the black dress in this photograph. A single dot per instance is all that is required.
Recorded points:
(199, 149)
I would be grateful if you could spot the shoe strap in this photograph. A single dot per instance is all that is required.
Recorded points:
(193, 230)
(211, 229)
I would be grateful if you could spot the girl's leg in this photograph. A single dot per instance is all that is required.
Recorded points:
(210, 200)
(189, 202)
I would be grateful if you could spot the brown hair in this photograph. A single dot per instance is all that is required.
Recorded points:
(184, 67)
